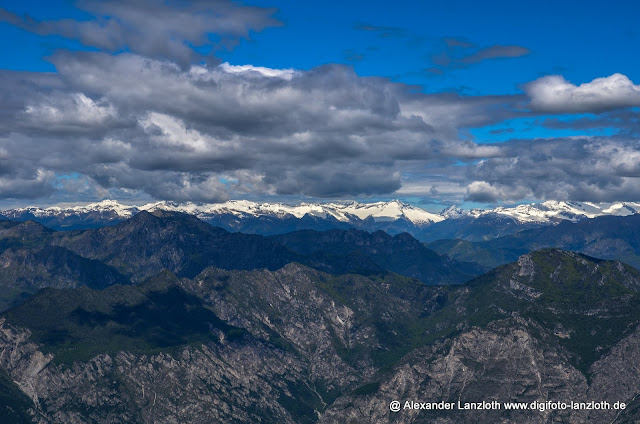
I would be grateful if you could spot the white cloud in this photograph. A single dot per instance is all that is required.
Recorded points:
(265, 72)
(70, 110)
(555, 94)
(482, 191)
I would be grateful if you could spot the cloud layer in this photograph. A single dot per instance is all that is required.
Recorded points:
(128, 122)
(128, 125)
(154, 115)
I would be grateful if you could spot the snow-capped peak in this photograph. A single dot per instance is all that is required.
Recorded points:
(544, 213)
(344, 211)
(104, 206)
(549, 211)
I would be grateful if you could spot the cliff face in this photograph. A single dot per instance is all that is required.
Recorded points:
(505, 363)
(224, 382)
(278, 346)
(297, 345)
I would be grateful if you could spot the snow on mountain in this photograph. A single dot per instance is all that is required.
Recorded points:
(386, 211)
(105, 206)
(548, 212)
(380, 212)
(345, 212)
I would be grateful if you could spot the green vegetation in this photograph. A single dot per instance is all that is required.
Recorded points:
(367, 389)
(487, 257)
(590, 303)
(585, 297)
(76, 325)
(14, 404)
(303, 403)
(358, 252)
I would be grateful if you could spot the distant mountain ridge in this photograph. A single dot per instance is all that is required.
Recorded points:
(606, 237)
(33, 256)
(393, 217)
(549, 211)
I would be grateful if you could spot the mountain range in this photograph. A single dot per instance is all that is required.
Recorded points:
(298, 345)
(33, 256)
(162, 317)
(393, 217)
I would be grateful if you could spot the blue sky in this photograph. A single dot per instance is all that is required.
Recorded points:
(477, 104)
(581, 40)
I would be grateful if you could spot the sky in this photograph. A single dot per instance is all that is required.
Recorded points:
(470, 103)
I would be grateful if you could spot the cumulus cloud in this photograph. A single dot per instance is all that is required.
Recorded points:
(482, 191)
(555, 94)
(131, 124)
(485, 192)
(69, 112)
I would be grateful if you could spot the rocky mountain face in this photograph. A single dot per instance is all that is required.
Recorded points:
(551, 327)
(228, 346)
(298, 345)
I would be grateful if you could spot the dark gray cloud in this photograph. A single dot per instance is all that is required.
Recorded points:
(155, 28)
(345, 178)
(383, 31)
(131, 126)
(495, 52)
(205, 133)
(460, 53)
(597, 169)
